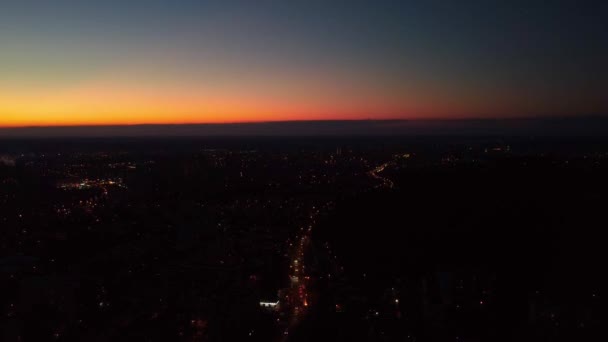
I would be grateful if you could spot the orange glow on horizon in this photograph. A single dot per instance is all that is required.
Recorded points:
(158, 114)
(103, 104)
(111, 103)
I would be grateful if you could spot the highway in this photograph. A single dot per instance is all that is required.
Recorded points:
(376, 173)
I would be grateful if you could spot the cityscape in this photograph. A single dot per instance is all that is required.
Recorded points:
(303, 170)
(263, 239)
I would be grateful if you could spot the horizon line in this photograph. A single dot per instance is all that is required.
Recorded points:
(210, 123)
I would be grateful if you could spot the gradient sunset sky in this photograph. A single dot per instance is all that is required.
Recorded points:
(185, 61)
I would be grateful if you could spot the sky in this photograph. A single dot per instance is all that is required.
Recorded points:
(194, 61)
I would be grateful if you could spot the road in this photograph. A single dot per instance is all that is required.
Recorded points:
(295, 299)
(376, 173)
